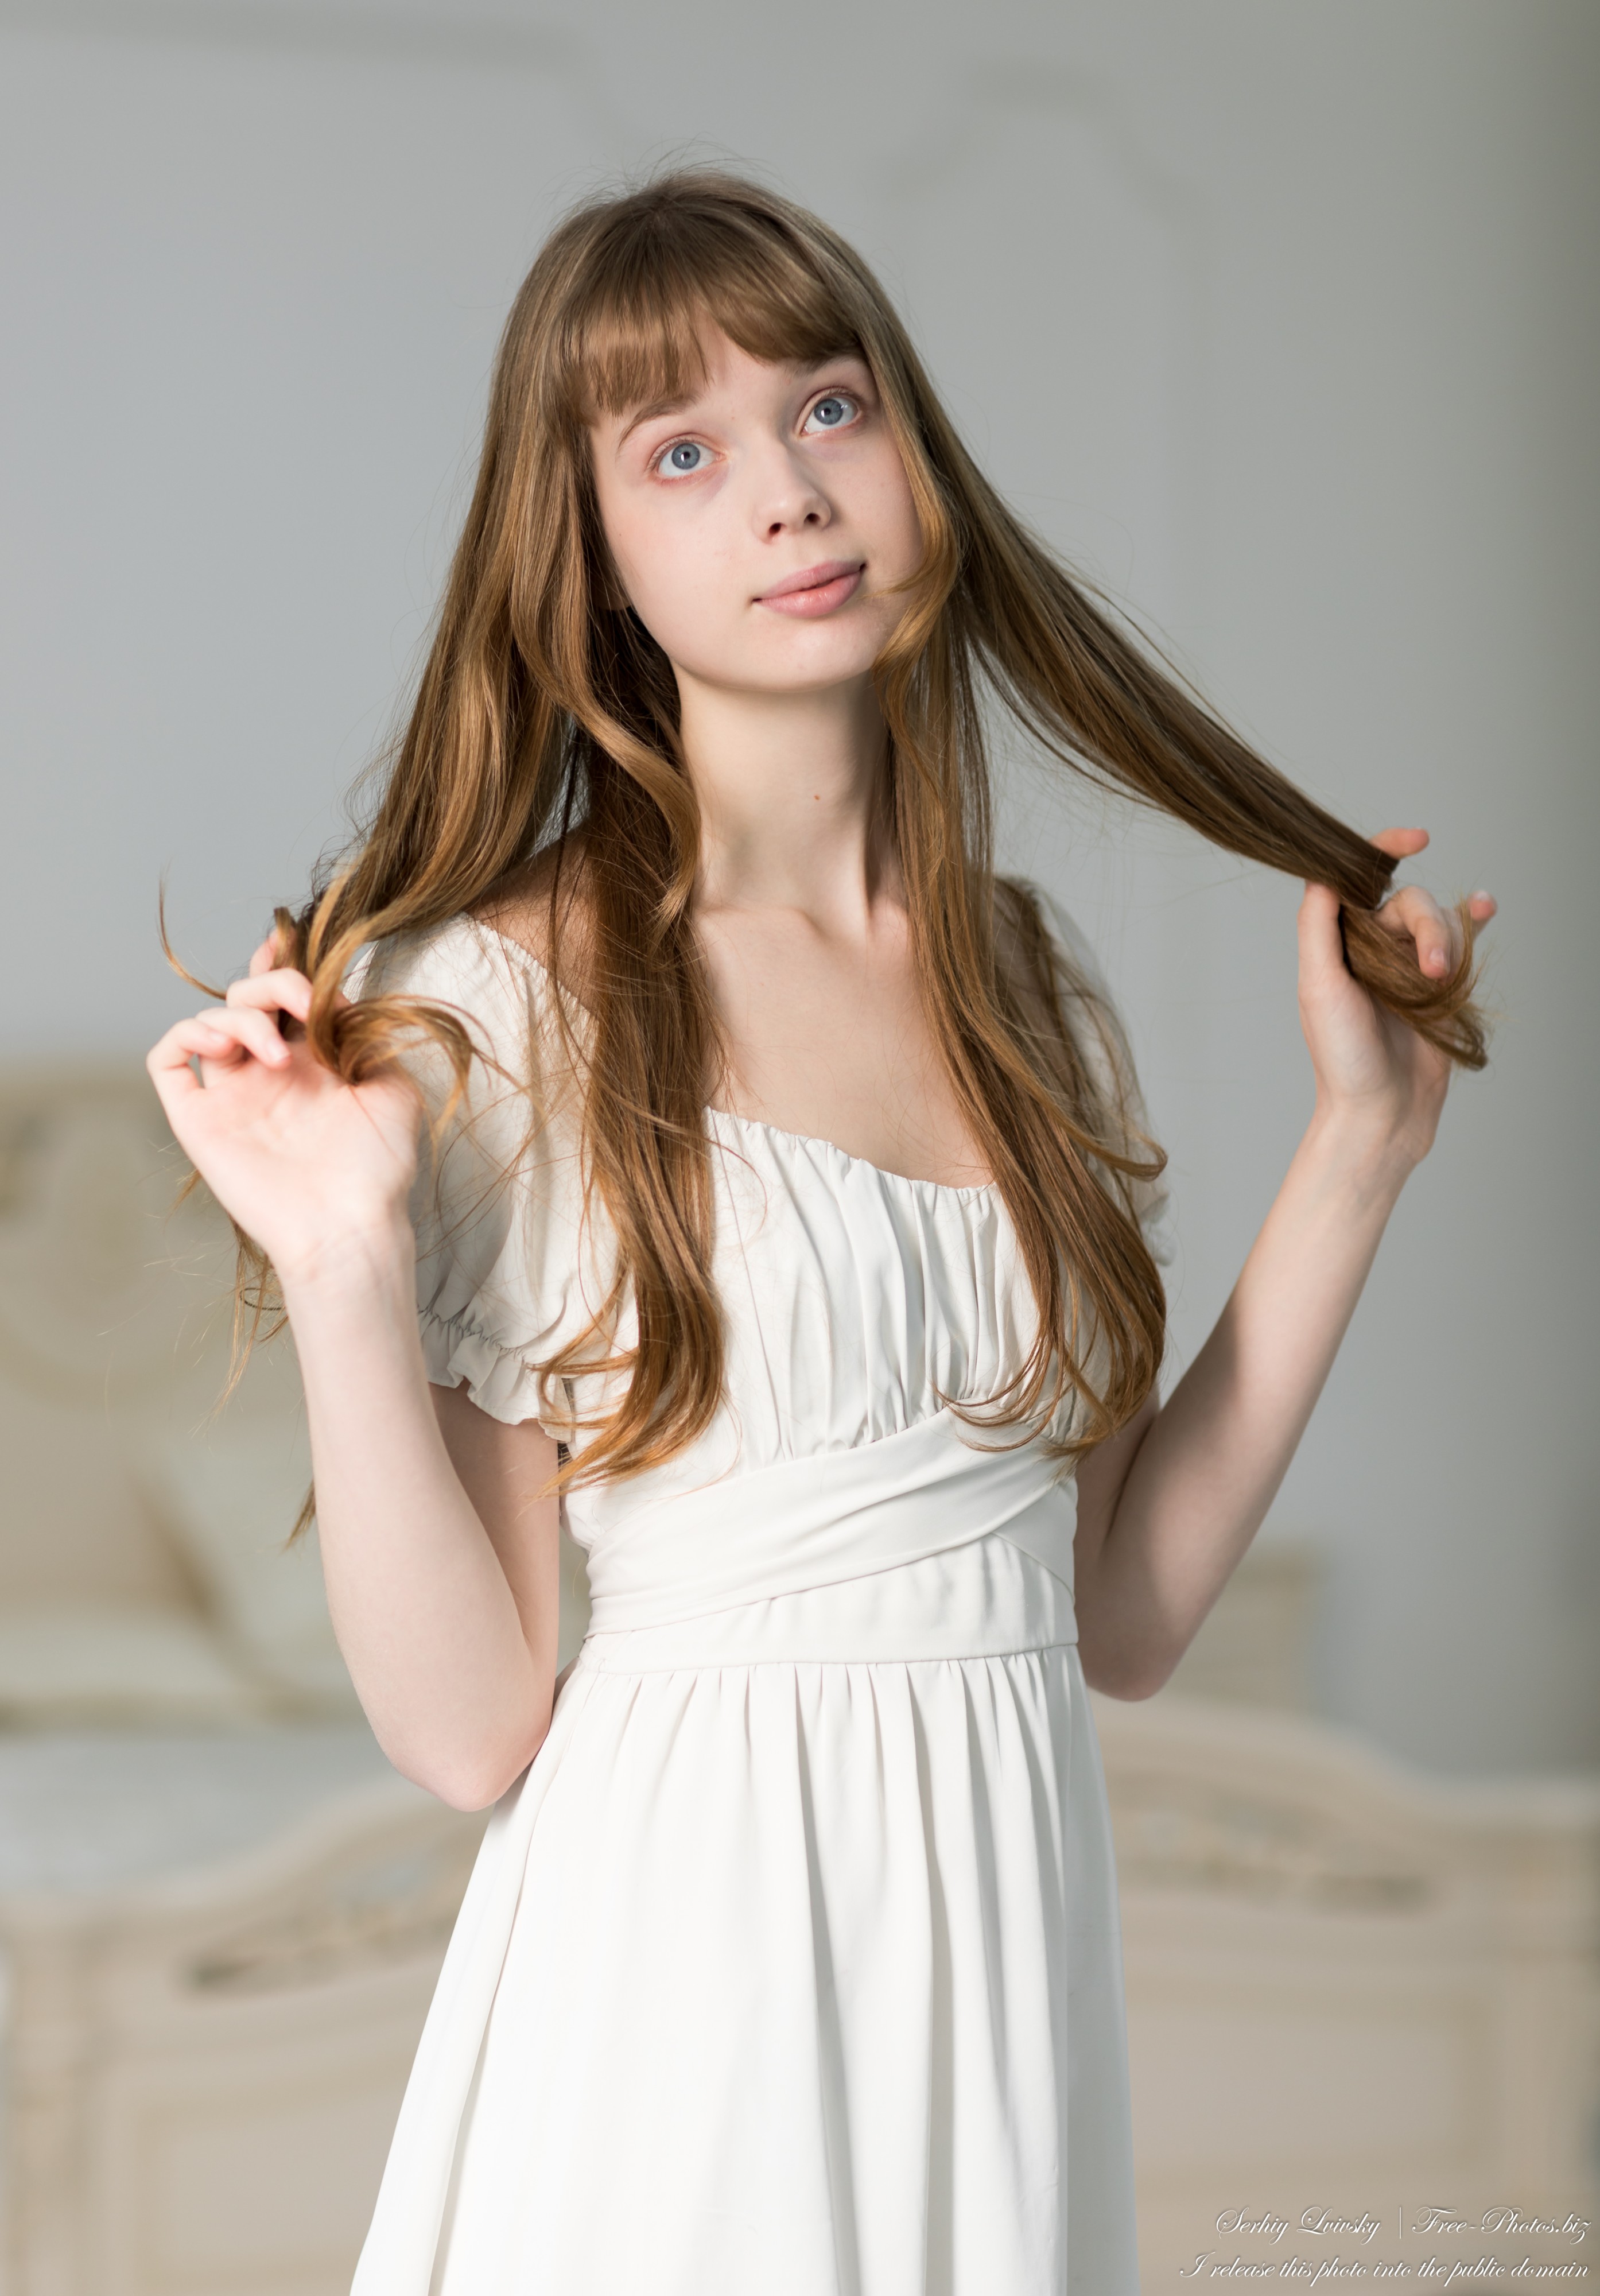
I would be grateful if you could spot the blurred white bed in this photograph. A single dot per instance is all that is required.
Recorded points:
(221, 1912)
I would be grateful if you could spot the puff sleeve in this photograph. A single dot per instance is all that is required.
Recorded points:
(503, 1274)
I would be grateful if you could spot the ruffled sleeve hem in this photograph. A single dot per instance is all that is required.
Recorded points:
(499, 1379)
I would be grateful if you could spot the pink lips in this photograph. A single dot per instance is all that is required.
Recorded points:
(815, 589)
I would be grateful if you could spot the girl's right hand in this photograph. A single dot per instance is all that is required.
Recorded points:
(314, 1170)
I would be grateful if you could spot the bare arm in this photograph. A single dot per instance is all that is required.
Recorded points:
(440, 1560)
(1168, 1506)
(439, 1557)
(1189, 1484)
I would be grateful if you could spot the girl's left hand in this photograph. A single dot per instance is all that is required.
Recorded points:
(1371, 1069)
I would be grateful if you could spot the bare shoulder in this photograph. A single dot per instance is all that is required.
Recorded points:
(544, 905)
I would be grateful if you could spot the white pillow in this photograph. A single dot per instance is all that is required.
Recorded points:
(229, 1495)
(62, 1663)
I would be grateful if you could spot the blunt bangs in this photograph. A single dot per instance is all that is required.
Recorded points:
(664, 279)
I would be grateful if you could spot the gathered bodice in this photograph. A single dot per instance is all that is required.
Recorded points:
(860, 1305)
(858, 1302)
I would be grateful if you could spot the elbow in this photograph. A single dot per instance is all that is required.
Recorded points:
(470, 1778)
(474, 1785)
(1121, 1648)
(1128, 1686)
(469, 1789)
(1129, 1674)
(1141, 1684)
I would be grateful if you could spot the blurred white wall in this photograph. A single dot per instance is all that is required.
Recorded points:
(1279, 319)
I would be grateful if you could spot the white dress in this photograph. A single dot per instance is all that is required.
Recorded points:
(792, 1965)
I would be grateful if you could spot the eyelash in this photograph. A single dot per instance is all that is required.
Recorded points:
(851, 398)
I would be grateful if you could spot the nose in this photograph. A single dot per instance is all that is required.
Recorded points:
(786, 497)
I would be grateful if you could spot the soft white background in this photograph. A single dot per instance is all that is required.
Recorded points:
(1280, 318)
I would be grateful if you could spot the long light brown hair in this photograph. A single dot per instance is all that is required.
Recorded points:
(546, 724)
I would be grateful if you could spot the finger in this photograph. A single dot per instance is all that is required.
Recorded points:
(184, 1040)
(167, 1063)
(1413, 912)
(253, 1032)
(230, 1033)
(1321, 943)
(170, 1060)
(263, 964)
(1399, 844)
(281, 990)
(1481, 906)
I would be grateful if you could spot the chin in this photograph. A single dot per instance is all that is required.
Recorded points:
(806, 670)
(819, 677)
(820, 656)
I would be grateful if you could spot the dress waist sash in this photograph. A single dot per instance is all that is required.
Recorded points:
(836, 1515)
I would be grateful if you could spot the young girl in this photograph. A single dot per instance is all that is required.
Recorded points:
(782, 1213)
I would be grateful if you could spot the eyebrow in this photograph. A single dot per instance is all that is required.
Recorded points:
(676, 405)
(656, 407)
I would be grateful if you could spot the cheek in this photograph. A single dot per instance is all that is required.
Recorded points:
(676, 576)
(890, 512)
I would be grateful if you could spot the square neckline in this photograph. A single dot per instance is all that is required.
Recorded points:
(982, 1188)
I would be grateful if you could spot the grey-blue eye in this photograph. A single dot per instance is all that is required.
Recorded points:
(832, 412)
(684, 457)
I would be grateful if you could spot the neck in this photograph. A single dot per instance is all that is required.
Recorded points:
(789, 788)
